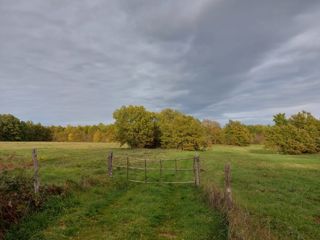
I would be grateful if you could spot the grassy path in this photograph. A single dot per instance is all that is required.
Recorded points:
(136, 212)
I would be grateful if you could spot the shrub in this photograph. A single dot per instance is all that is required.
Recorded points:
(18, 199)
(236, 133)
(213, 132)
(296, 135)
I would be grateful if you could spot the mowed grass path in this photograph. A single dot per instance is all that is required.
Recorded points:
(100, 208)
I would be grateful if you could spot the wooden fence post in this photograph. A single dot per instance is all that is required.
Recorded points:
(145, 170)
(194, 169)
(110, 158)
(197, 169)
(227, 191)
(127, 169)
(36, 181)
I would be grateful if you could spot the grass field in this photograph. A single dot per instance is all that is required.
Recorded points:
(102, 209)
(281, 192)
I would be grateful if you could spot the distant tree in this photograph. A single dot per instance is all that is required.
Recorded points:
(110, 133)
(180, 131)
(236, 133)
(135, 126)
(35, 132)
(213, 132)
(75, 134)
(97, 136)
(10, 128)
(280, 119)
(296, 135)
(258, 133)
(58, 134)
(27, 131)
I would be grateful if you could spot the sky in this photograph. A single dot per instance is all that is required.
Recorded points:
(76, 61)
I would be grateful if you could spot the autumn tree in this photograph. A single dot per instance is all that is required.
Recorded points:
(258, 133)
(295, 135)
(235, 133)
(97, 136)
(213, 131)
(110, 133)
(58, 134)
(135, 126)
(178, 130)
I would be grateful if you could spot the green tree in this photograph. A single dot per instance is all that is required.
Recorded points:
(236, 133)
(10, 128)
(180, 131)
(280, 119)
(258, 133)
(213, 132)
(35, 132)
(296, 135)
(135, 126)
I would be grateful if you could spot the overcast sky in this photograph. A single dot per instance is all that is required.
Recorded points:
(76, 61)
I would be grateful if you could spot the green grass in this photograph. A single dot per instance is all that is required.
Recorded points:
(100, 208)
(280, 191)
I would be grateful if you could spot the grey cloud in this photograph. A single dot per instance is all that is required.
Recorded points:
(76, 61)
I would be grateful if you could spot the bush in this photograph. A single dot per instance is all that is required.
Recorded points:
(18, 199)
(296, 135)
(213, 132)
(236, 133)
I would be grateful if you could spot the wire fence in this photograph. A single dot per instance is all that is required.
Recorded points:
(142, 168)
(147, 168)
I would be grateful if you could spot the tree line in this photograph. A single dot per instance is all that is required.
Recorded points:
(140, 128)
(137, 127)
(13, 129)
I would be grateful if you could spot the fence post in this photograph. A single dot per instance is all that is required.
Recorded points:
(36, 181)
(197, 169)
(227, 191)
(194, 170)
(160, 170)
(110, 158)
(145, 170)
(127, 169)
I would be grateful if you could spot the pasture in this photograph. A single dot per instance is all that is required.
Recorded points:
(280, 192)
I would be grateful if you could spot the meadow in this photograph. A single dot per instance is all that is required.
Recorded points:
(280, 192)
